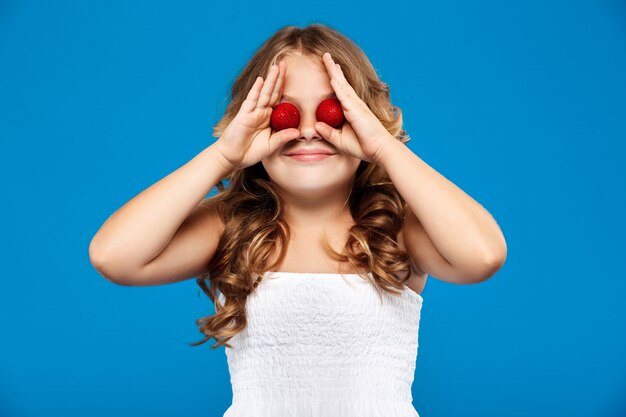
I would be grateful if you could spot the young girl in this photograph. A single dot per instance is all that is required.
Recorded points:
(316, 263)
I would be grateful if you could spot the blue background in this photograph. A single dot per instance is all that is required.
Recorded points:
(522, 105)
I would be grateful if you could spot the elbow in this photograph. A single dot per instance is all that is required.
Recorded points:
(493, 259)
(491, 264)
(100, 263)
(104, 270)
(96, 259)
(111, 276)
(497, 258)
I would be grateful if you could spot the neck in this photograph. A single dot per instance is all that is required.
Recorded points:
(316, 212)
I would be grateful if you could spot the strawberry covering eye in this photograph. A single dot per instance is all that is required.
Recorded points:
(330, 112)
(285, 116)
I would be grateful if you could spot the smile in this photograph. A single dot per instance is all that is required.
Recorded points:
(310, 157)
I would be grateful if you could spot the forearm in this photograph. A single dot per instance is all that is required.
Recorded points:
(138, 231)
(460, 228)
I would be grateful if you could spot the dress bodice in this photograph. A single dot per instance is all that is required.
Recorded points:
(324, 345)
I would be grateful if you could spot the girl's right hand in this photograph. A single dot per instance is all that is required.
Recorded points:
(248, 138)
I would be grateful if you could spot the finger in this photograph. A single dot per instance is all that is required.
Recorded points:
(280, 138)
(253, 95)
(327, 58)
(328, 133)
(344, 81)
(264, 98)
(330, 65)
(343, 89)
(278, 88)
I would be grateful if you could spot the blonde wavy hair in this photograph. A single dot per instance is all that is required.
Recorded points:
(252, 208)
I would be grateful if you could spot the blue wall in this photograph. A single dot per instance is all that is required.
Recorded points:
(522, 105)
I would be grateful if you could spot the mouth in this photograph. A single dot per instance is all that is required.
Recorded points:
(310, 157)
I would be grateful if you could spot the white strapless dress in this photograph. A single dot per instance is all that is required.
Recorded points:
(323, 345)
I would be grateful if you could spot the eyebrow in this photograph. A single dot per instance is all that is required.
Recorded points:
(329, 95)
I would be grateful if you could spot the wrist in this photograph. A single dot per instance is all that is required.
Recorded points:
(218, 157)
(385, 155)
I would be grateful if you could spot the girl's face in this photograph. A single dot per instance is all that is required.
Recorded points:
(306, 84)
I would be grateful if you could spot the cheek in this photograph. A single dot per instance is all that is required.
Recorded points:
(355, 163)
(267, 165)
(275, 169)
(348, 166)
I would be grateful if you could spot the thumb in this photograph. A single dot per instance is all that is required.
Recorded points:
(327, 132)
(281, 137)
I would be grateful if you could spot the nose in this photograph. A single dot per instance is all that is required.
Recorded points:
(307, 126)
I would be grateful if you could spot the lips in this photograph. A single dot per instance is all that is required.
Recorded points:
(310, 152)
(312, 157)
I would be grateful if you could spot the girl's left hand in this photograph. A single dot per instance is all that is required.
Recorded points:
(362, 135)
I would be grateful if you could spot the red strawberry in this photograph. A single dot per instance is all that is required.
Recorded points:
(284, 116)
(329, 111)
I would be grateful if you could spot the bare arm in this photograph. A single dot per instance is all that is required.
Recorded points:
(448, 234)
(141, 229)
(164, 234)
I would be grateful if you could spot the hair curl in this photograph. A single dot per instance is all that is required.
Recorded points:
(251, 207)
